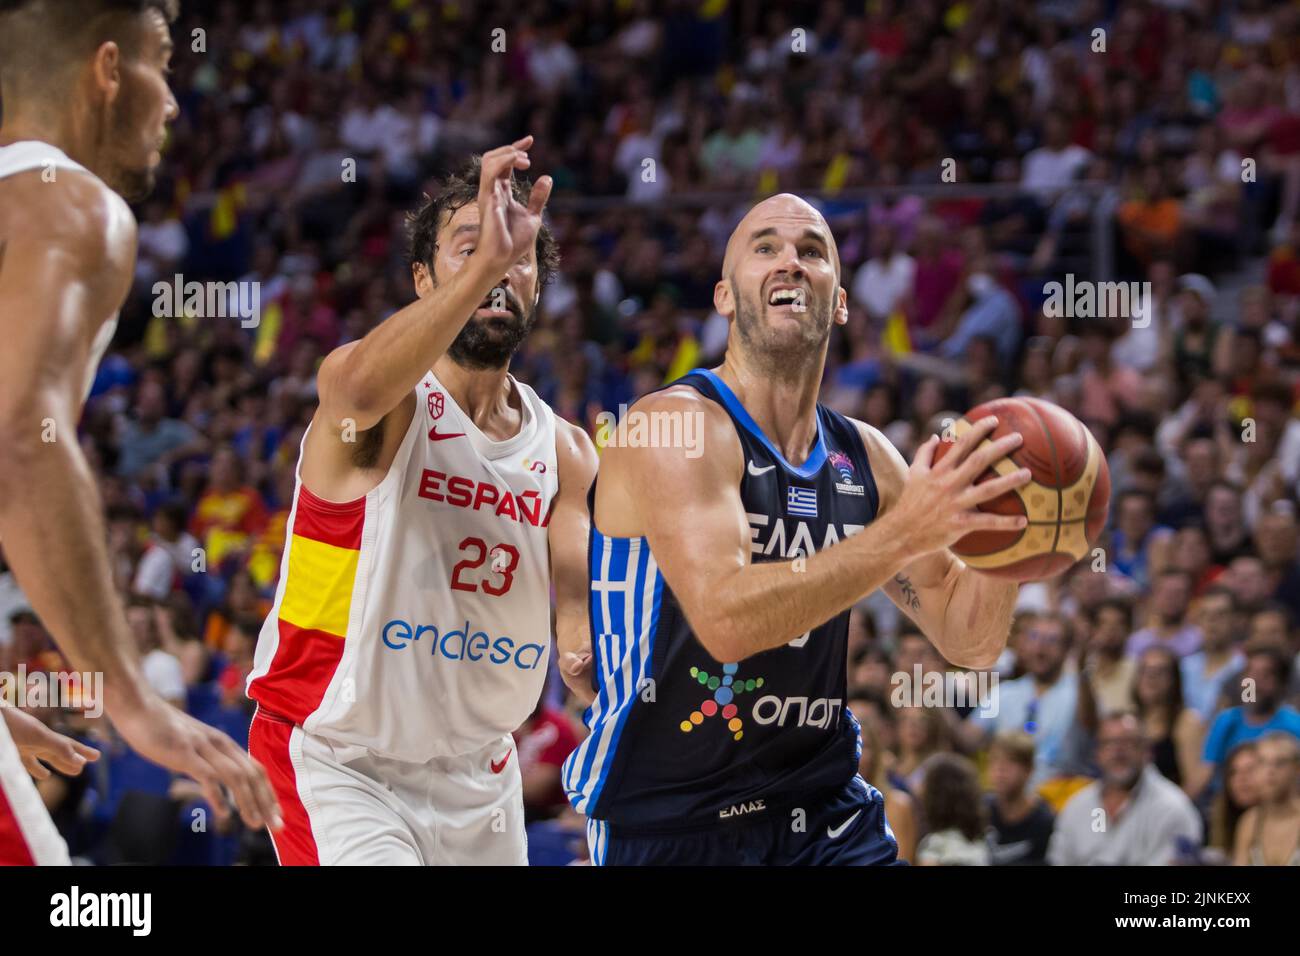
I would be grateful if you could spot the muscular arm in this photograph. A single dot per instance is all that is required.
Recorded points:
(567, 535)
(69, 269)
(965, 614)
(57, 287)
(690, 511)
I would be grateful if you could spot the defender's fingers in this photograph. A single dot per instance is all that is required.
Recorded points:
(540, 194)
(494, 168)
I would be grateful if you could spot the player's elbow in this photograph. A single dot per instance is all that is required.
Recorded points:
(980, 654)
(348, 393)
(722, 639)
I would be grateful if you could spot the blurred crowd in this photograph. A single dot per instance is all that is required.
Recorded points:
(1018, 142)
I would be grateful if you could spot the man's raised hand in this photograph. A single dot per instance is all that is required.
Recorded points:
(507, 228)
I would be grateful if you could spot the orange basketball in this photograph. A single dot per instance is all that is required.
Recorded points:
(1066, 500)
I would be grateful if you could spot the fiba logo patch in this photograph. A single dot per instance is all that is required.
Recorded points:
(843, 465)
(725, 689)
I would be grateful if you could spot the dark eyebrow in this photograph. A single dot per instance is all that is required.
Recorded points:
(464, 227)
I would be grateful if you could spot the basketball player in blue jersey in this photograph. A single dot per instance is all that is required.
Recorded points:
(722, 575)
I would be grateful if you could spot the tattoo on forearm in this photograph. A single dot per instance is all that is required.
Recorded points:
(909, 591)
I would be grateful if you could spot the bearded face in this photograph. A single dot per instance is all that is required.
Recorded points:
(494, 333)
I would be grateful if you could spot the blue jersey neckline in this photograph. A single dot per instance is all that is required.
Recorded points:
(815, 460)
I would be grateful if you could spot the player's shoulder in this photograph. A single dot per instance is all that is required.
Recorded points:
(888, 466)
(880, 450)
(76, 209)
(682, 400)
(669, 434)
(573, 446)
(673, 416)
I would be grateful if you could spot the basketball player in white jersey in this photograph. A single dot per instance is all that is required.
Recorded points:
(86, 104)
(437, 499)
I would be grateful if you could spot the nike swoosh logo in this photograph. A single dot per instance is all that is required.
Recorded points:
(434, 435)
(834, 832)
(756, 471)
(498, 767)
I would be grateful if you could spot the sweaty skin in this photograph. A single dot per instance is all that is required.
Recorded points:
(67, 255)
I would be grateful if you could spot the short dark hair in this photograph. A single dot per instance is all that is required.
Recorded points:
(38, 37)
(1119, 604)
(950, 796)
(1146, 496)
(1277, 658)
(1222, 590)
(461, 189)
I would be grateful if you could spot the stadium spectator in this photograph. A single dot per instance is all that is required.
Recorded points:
(1239, 793)
(1262, 687)
(162, 670)
(1148, 821)
(1107, 667)
(1205, 672)
(1269, 832)
(1020, 821)
(1044, 702)
(169, 557)
(956, 829)
(1171, 594)
(151, 439)
(875, 763)
(1172, 730)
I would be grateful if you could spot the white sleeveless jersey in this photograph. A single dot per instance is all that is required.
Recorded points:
(24, 156)
(416, 621)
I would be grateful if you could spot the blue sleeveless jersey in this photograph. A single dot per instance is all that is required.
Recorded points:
(678, 740)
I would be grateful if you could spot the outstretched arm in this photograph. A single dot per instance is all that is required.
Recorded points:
(363, 381)
(690, 511)
(965, 614)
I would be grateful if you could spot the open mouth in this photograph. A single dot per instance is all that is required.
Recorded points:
(789, 295)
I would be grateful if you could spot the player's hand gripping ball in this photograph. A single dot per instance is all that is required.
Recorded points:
(1066, 500)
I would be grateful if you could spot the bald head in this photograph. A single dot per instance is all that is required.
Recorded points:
(781, 287)
(768, 217)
